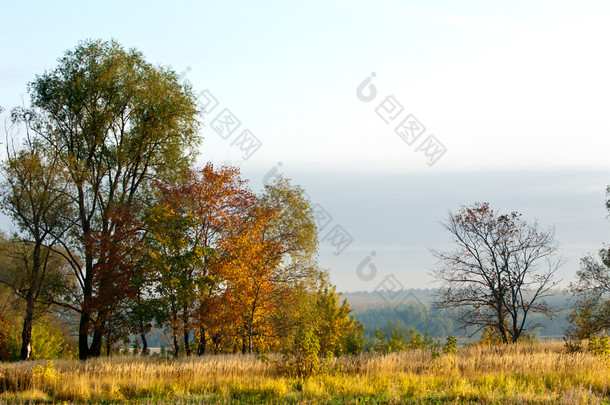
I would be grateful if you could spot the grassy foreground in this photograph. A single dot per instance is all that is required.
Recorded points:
(539, 373)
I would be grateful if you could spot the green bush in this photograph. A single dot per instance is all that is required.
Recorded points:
(396, 342)
(10, 344)
(419, 341)
(600, 345)
(301, 360)
(380, 346)
(48, 343)
(450, 346)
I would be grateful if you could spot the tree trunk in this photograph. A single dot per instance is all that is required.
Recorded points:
(108, 343)
(98, 334)
(28, 319)
(176, 345)
(83, 335)
(250, 340)
(187, 346)
(144, 344)
(26, 334)
(85, 316)
(202, 342)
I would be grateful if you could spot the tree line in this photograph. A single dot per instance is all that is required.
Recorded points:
(116, 226)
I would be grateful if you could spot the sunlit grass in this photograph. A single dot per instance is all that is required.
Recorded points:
(539, 373)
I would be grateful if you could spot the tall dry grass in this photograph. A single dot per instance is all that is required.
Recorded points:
(538, 373)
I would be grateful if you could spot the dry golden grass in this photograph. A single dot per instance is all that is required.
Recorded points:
(539, 373)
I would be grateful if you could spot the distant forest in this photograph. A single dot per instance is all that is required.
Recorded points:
(407, 309)
(412, 309)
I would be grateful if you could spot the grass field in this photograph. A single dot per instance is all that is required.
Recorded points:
(536, 373)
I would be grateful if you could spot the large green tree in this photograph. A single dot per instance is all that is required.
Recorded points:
(115, 123)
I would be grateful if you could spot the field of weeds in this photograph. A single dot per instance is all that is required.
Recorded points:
(532, 373)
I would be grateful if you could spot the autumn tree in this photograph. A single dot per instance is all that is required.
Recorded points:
(115, 124)
(278, 251)
(190, 229)
(34, 194)
(119, 272)
(293, 228)
(296, 276)
(250, 272)
(499, 273)
(177, 259)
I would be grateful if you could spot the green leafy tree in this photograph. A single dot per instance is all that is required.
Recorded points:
(591, 295)
(115, 123)
(337, 331)
(450, 346)
(318, 310)
(591, 292)
(380, 344)
(293, 228)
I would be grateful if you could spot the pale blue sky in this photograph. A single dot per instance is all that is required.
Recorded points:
(517, 92)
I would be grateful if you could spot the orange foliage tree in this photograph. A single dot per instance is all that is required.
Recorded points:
(250, 275)
(187, 232)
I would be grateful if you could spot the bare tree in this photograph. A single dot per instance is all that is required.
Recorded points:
(500, 272)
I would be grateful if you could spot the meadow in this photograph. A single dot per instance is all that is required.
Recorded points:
(522, 373)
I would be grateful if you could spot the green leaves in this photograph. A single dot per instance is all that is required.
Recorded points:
(114, 123)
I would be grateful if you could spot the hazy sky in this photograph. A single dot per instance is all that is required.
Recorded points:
(500, 102)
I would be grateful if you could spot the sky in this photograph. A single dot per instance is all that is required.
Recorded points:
(390, 114)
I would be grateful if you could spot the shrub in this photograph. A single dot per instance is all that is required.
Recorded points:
(450, 346)
(48, 343)
(9, 342)
(600, 345)
(301, 360)
(419, 341)
(381, 345)
(572, 345)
